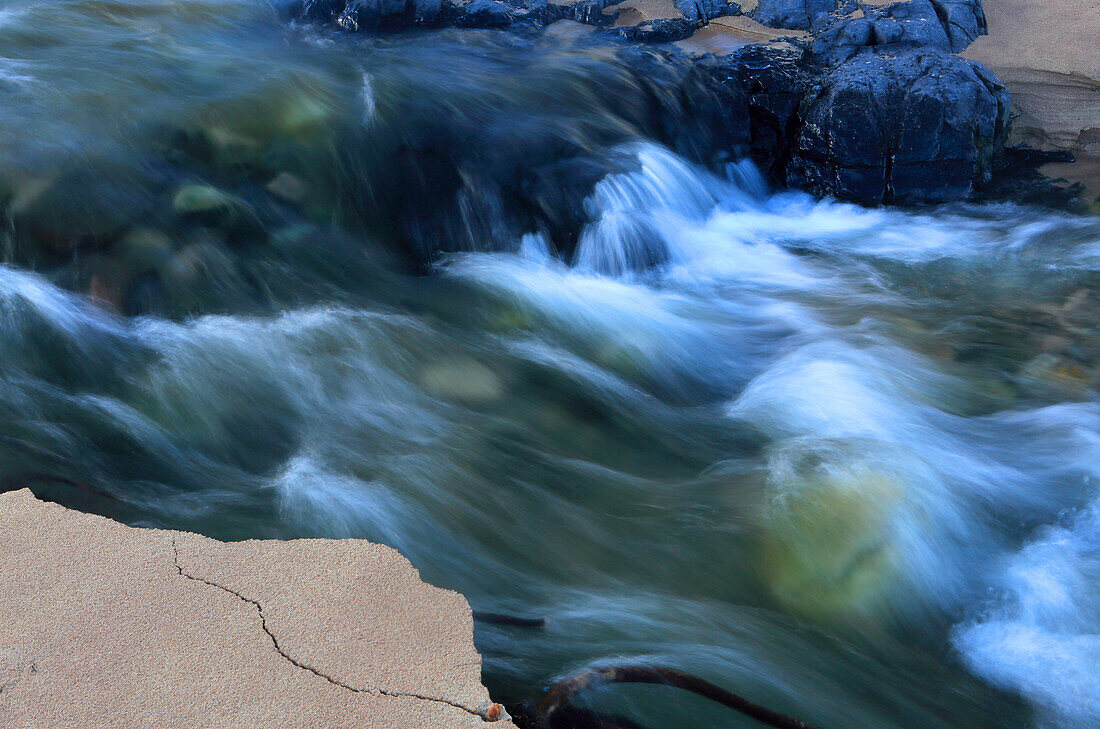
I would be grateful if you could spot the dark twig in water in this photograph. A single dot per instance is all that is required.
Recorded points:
(19, 481)
(13, 483)
(25, 445)
(563, 691)
(577, 718)
(501, 619)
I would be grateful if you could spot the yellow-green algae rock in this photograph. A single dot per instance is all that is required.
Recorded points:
(462, 379)
(828, 546)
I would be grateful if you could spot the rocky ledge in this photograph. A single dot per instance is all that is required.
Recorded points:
(864, 100)
(1046, 54)
(108, 626)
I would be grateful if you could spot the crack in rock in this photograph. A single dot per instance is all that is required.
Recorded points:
(484, 715)
(31, 667)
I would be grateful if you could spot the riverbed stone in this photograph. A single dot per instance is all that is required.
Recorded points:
(114, 627)
(288, 187)
(83, 207)
(1054, 375)
(829, 547)
(462, 379)
(143, 249)
(203, 200)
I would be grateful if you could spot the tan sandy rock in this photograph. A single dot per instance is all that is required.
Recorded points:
(727, 33)
(1047, 52)
(103, 625)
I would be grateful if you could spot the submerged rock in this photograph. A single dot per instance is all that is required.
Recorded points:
(828, 547)
(189, 632)
(288, 187)
(210, 206)
(56, 214)
(204, 200)
(463, 379)
(1054, 375)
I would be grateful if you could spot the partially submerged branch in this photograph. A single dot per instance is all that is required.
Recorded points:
(19, 481)
(512, 620)
(564, 691)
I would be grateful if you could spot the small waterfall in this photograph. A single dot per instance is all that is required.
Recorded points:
(635, 214)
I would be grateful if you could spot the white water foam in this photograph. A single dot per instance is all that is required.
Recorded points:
(1042, 637)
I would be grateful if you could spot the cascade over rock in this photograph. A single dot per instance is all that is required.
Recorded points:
(863, 101)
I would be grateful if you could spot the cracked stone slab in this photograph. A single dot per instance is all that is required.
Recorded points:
(108, 626)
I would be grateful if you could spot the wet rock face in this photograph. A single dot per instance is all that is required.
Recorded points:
(518, 164)
(918, 126)
(773, 79)
(388, 15)
(369, 15)
(873, 106)
(799, 14)
(950, 25)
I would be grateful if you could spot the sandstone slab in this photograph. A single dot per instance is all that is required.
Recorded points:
(103, 625)
(1048, 55)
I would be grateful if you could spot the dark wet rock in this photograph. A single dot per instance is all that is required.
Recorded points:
(916, 126)
(910, 23)
(55, 216)
(964, 21)
(521, 162)
(843, 41)
(554, 195)
(763, 86)
(950, 25)
(872, 107)
(697, 107)
(589, 12)
(704, 10)
(477, 14)
(369, 15)
(661, 30)
(799, 14)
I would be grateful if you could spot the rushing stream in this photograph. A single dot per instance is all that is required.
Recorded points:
(839, 460)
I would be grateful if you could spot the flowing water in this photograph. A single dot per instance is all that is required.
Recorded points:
(839, 460)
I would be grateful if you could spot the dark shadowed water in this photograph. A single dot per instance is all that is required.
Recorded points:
(835, 459)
